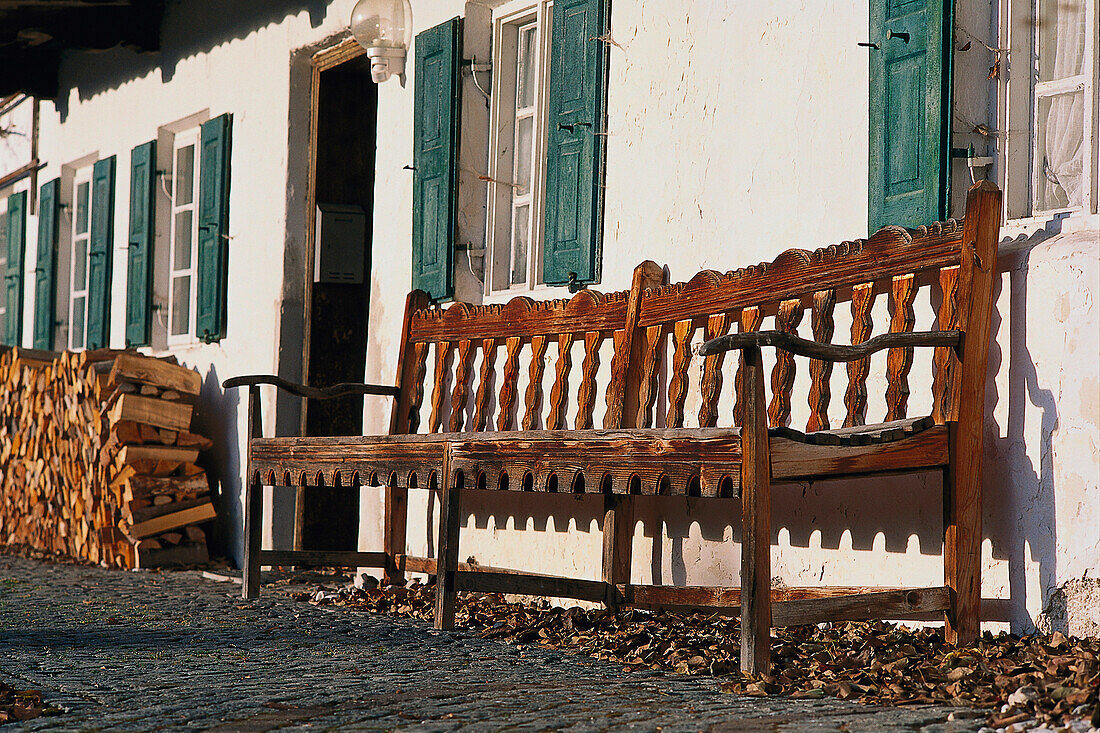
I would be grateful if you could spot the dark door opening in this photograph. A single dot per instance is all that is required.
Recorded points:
(343, 178)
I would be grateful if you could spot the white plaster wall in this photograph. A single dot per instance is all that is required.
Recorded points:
(735, 131)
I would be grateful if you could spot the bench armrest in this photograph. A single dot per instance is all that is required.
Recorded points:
(829, 352)
(313, 393)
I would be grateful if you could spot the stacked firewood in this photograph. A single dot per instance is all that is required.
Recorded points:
(97, 460)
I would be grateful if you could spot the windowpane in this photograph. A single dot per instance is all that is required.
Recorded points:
(1061, 38)
(181, 305)
(181, 257)
(524, 141)
(525, 67)
(83, 192)
(185, 175)
(80, 263)
(76, 333)
(520, 234)
(1059, 154)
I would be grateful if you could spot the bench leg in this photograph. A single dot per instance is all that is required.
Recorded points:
(756, 609)
(618, 536)
(253, 519)
(394, 542)
(447, 562)
(962, 541)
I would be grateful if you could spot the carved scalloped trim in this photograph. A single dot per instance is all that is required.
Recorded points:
(521, 305)
(425, 478)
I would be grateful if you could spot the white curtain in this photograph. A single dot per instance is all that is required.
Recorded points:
(1062, 130)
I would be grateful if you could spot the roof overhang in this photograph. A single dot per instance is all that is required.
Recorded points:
(35, 33)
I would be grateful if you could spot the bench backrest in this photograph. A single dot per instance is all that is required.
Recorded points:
(654, 378)
(529, 333)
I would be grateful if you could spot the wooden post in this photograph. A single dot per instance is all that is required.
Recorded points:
(756, 611)
(618, 536)
(962, 542)
(622, 412)
(397, 498)
(254, 502)
(447, 560)
(393, 531)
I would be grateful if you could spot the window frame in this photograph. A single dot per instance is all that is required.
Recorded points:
(1021, 93)
(180, 140)
(81, 176)
(1051, 90)
(507, 21)
(3, 264)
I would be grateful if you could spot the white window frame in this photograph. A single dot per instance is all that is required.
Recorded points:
(1021, 92)
(83, 176)
(508, 18)
(180, 141)
(3, 263)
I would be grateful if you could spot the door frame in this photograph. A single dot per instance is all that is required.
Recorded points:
(323, 60)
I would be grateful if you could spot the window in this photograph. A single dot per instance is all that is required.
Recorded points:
(1049, 115)
(78, 257)
(183, 242)
(517, 146)
(1061, 96)
(179, 197)
(546, 142)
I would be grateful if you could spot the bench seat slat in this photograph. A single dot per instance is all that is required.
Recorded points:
(796, 461)
(648, 461)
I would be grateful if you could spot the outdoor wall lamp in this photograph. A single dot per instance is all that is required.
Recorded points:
(384, 28)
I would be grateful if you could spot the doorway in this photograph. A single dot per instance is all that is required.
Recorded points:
(343, 127)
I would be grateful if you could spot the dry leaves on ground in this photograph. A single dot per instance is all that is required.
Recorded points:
(19, 705)
(1048, 678)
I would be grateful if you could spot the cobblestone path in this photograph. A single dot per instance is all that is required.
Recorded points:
(173, 651)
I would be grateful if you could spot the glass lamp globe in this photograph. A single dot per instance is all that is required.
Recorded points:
(384, 28)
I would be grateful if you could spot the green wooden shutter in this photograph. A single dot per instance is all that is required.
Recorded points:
(574, 154)
(139, 270)
(45, 270)
(909, 112)
(13, 276)
(213, 264)
(99, 253)
(436, 111)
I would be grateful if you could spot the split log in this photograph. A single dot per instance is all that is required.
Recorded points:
(94, 443)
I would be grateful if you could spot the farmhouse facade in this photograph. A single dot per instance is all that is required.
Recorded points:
(230, 187)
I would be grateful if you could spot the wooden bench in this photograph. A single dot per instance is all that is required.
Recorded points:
(662, 431)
